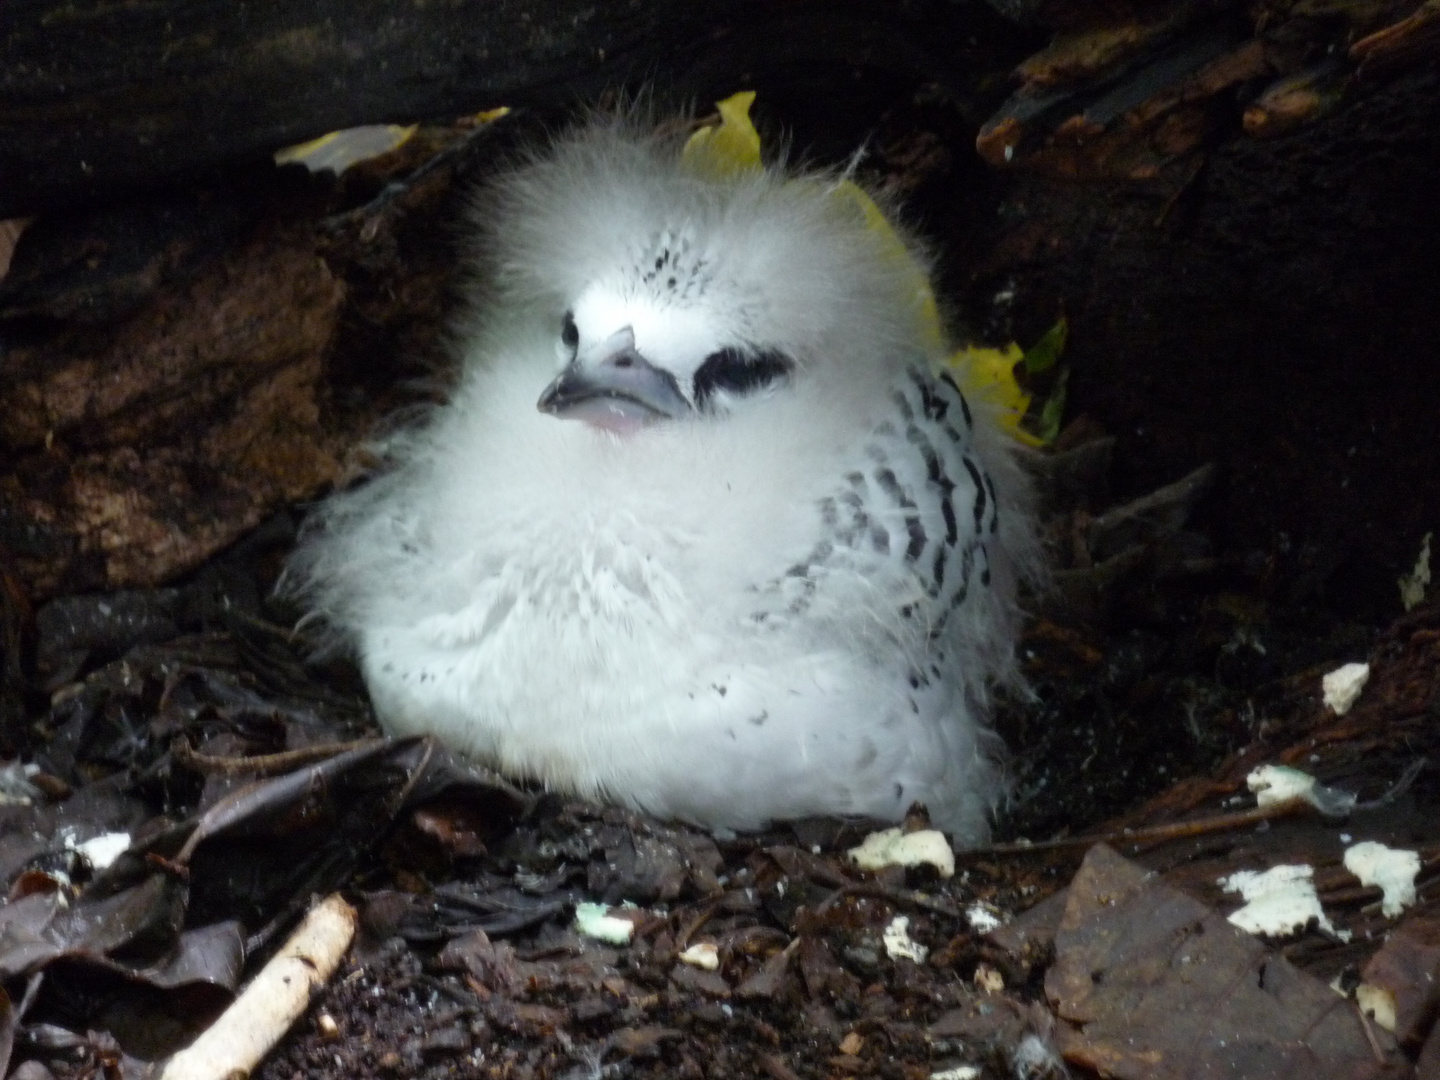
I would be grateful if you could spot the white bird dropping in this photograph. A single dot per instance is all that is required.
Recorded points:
(1342, 686)
(895, 847)
(699, 530)
(1280, 901)
(1391, 870)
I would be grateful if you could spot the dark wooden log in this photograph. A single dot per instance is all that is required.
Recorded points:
(141, 449)
(1273, 308)
(97, 96)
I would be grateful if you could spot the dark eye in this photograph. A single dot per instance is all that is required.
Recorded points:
(569, 332)
(738, 372)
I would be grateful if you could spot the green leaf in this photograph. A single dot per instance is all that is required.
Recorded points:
(1054, 408)
(1042, 355)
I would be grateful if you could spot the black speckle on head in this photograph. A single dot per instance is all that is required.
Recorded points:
(738, 372)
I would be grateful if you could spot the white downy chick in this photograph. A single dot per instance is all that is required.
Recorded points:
(748, 560)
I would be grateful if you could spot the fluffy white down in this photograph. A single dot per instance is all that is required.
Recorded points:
(611, 615)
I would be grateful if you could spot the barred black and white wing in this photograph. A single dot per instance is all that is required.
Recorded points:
(904, 560)
(916, 506)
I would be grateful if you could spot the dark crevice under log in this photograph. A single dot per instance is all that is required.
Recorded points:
(99, 96)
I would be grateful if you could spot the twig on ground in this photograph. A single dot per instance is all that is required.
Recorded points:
(275, 998)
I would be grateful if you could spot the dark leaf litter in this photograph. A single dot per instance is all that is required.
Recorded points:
(246, 782)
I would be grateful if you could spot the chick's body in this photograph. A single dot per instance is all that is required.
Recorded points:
(749, 560)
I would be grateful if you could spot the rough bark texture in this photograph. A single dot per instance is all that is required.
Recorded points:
(148, 450)
(1274, 310)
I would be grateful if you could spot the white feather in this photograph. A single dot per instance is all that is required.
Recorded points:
(616, 615)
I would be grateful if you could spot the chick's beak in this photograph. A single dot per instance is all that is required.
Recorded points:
(613, 386)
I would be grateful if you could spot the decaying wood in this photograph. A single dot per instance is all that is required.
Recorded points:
(1263, 309)
(143, 450)
(1137, 93)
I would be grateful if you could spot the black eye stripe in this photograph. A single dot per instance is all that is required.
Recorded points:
(569, 332)
(737, 371)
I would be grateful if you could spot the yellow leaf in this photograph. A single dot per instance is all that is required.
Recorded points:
(731, 148)
(338, 150)
(989, 375)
